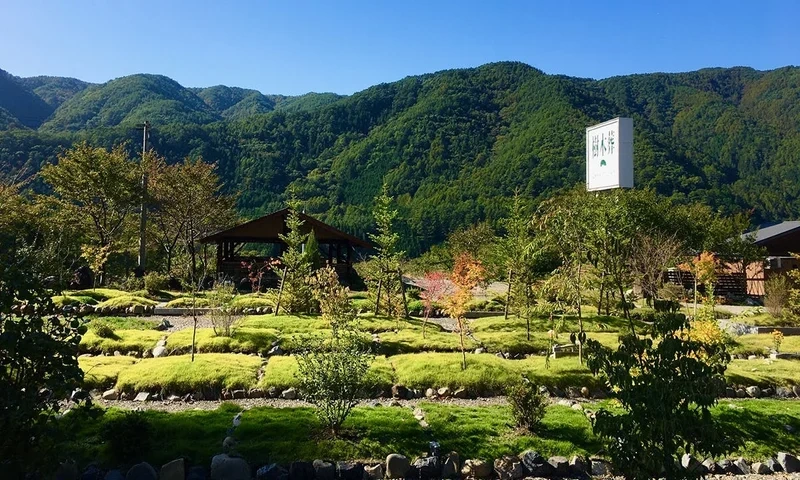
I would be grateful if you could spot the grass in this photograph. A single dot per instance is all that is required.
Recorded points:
(101, 372)
(254, 300)
(282, 372)
(125, 301)
(764, 372)
(126, 341)
(98, 294)
(126, 323)
(178, 374)
(761, 343)
(591, 323)
(517, 342)
(761, 318)
(244, 340)
(72, 300)
(187, 302)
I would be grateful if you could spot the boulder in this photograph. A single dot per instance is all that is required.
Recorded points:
(773, 465)
(112, 394)
(710, 466)
(138, 309)
(585, 392)
(174, 470)
(560, 465)
(324, 470)
(272, 471)
(691, 464)
(600, 468)
(726, 466)
(480, 350)
(117, 475)
(476, 469)
(430, 393)
(239, 394)
(374, 472)
(229, 445)
(256, 393)
(142, 397)
(460, 393)
(451, 465)
(509, 468)
(577, 406)
(397, 466)
(273, 392)
(444, 392)
(753, 391)
(350, 471)
(225, 467)
(276, 350)
(743, 467)
(578, 466)
(788, 462)
(535, 464)
(767, 392)
(730, 392)
(741, 393)
(301, 471)
(428, 468)
(142, 471)
(399, 391)
(784, 392)
(760, 469)
(289, 394)
(159, 352)
(796, 390)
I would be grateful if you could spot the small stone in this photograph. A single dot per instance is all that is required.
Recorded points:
(142, 471)
(276, 350)
(742, 465)
(584, 392)
(397, 466)
(110, 395)
(273, 392)
(460, 393)
(741, 393)
(289, 394)
(141, 397)
(480, 350)
(225, 467)
(324, 470)
(395, 403)
(117, 353)
(767, 392)
(159, 352)
(399, 391)
(726, 466)
(560, 465)
(752, 357)
(430, 393)
(509, 468)
(600, 468)
(753, 392)
(796, 390)
(444, 392)
(760, 469)
(239, 394)
(710, 466)
(256, 393)
(577, 406)
(564, 402)
(428, 468)
(691, 464)
(374, 472)
(418, 413)
(788, 462)
(475, 469)
(174, 470)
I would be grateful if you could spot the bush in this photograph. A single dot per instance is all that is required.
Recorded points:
(223, 315)
(527, 404)
(130, 283)
(103, 329)
(127, 437)
(776, 294)
(155, 282)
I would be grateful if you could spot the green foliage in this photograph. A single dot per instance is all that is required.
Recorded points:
(128, 436)
(125, 301)
(179, 374)
(666, 385)
(103, 330)
(295, 268)
(100, 372)
(384, 275)
(527, 404)
(155, 282)
(224, 317)
(777, 292)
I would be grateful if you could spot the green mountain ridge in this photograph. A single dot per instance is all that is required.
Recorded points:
(454, 145)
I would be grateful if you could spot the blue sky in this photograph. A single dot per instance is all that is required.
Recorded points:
(295, 47)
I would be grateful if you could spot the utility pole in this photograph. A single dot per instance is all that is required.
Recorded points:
(145, 127)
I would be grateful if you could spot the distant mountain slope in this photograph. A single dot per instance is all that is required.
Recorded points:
(130, 100)
(306, 102)
(54, 90)
(21, 103)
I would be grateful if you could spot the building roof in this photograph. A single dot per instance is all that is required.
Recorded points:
(267, 229)
(772, 232)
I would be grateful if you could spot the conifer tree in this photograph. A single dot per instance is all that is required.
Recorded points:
(387, 262)
(295, 293)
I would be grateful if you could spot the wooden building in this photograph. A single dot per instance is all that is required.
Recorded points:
(336, 246)
(780, 241)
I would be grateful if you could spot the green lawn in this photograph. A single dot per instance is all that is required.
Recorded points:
(764, 372)
(281, 372)
(101, 372)
(125, 301)
(126, 340)
(178, 374)
(762, 344)
(243, 340)
(98, 294)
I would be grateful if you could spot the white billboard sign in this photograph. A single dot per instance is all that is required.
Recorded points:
(609, 155)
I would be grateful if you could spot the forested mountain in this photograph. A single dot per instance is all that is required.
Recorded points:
(453, 146)
(20, 105)
(54, 90)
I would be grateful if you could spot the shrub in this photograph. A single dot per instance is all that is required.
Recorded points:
(103, 329)
(223, 315)
(155, 282)
(130, 283)
(527, 404)
(127, 437)
(776, 294)
(777, 340)
(666, 385)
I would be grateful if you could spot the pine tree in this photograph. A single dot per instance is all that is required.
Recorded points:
(387, 262)
(295, 293)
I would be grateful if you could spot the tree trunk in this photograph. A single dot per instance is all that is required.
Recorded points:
(403, 291)
(280, 291)
(602, 290)
(425, 322)
(508, 293)
(378, 297)
(461, 325)
(625, 310)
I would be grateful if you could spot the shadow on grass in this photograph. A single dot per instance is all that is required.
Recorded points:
(762, 428)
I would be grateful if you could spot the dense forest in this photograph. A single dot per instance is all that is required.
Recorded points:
(452, 146)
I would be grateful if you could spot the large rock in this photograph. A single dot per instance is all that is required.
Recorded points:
(225, 467)
(760, 469)
(324, 470)
(374, 472)
(476, 469)
(138, 309)
(443, 392)
(397, 466)
(350, 471)
(691, 464)
(289, 394)
(788, 462)
(239, 394)
(399, 391)
(451, 465)
(753, 392)
(600, 468)
(272, 471)
(301, 471)
(142, 471)
(711, 466)
(174, 470)
(509, 468)
(743, 467)
(796, 390)
(726, 466)
(430, 393)
(428, 467)
(560, 465)
(112, 394)
(536, 465)
(773, 465)
(159, 352)
(578, 465)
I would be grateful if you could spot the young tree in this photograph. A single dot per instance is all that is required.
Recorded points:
(650, 257)
(295, 294)
(467, 274)
(516, 246)
(101, 186)
(387, 262)
(333, 370)
(436, 287)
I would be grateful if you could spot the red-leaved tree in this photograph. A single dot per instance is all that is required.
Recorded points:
(436, 287)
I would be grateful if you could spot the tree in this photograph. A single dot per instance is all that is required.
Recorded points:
(312, 251)
(332, 371)
(101, 186)
(516, 246)
(650, 257)
(666, 385)
(295, 294)
(387, 261)
(467, 274)
(435, 287)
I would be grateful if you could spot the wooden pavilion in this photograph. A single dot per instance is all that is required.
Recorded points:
(336, 246)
